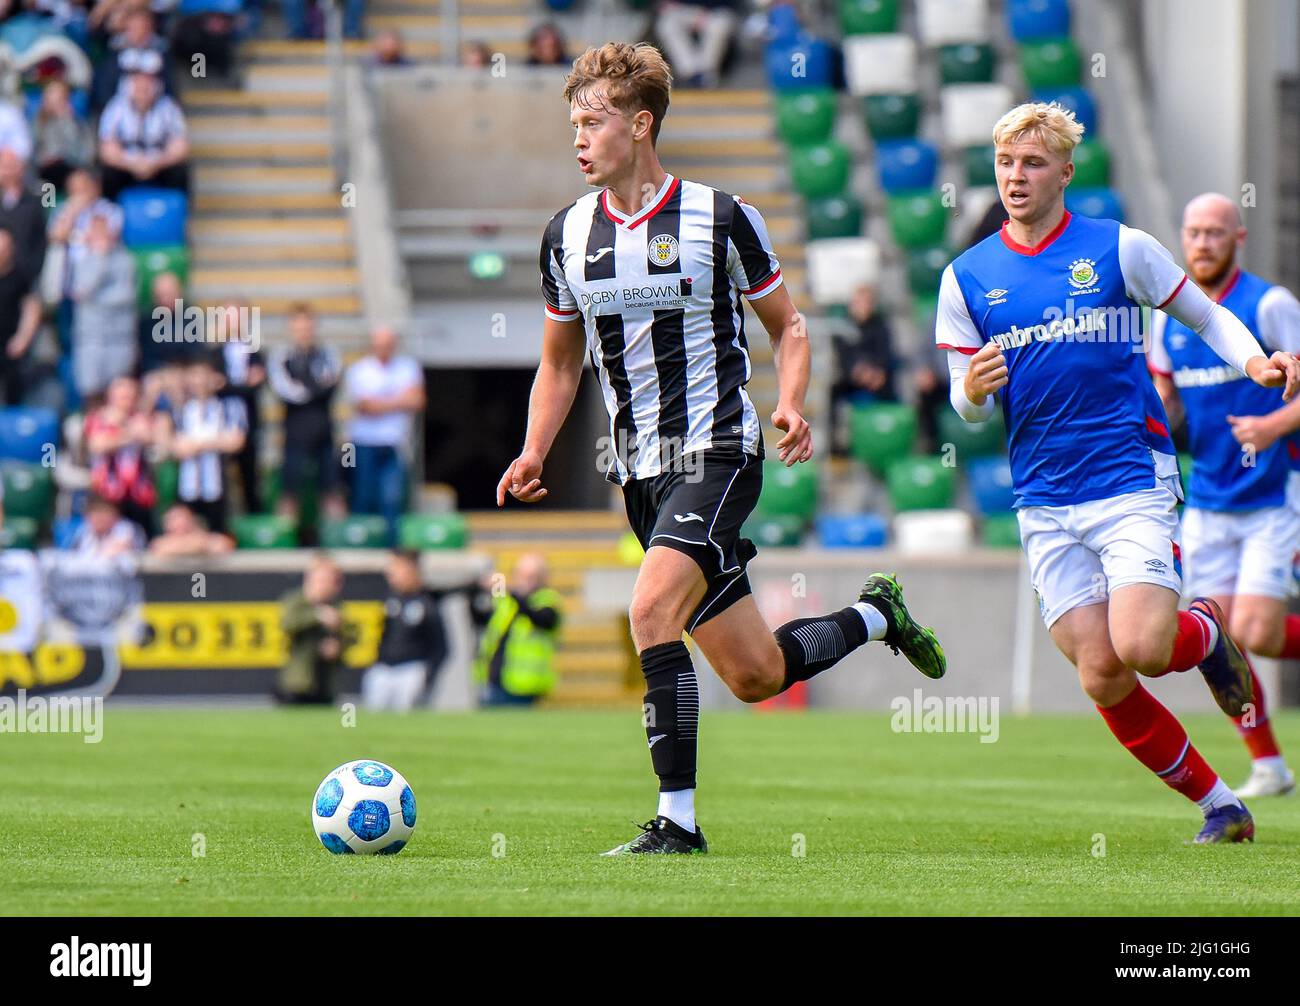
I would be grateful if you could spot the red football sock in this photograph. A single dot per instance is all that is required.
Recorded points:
(1190, 645)
(1158, 741)
(1259, 738)
(1291, 647)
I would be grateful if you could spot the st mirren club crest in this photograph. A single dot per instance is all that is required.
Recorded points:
(662, 250)
(1083, 274)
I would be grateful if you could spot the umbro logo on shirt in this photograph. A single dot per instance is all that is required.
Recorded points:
(600, 254)
(995, 297)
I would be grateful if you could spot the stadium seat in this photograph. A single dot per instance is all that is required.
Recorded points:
(28, 434)
(149, 262)
(920, 484)
(788, 491)
(880, 64)
(166, 477)
(152, 217)
(227, 7)
(906, 165)
(1053, 62)
(354, 531)
(833, 217)
(436, 530)
(918, 220)
(933, 532)
(838, 266)
(990, 484)
(968, 112)
(972, 440)
(892, 116)
(783, 22)
(1028, 20)
(925, 308)
(820, 170)
(979, 166)
(1104, 204)
(774, 530)
(1001, 531)
(925, 268)
(65, 530)
(18, 532)
(1077, 100)
(805, 117)
(881, 433)
(260, 530)
(863, 530)
(799, 63)
(868, 17)
(1091, 165)
(946, 22)
(967, 63)
(29, 491)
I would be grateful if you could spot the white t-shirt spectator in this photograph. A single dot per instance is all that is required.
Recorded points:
(84, 541)
(142, 132)
(369, 378)
(14, 131)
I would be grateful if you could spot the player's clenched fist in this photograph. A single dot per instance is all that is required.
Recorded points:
(522, 480)
(988, 373)
(1281, 370)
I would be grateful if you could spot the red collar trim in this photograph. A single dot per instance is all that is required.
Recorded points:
(1039, 248)
(645, 214)
(1232, 283)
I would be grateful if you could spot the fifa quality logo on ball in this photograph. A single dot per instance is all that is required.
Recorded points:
(663, 249)
(1083, 273)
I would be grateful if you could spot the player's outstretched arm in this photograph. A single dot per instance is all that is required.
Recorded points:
(788, 333)
(552, 396)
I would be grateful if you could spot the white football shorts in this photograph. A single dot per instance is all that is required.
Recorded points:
(1245, 552)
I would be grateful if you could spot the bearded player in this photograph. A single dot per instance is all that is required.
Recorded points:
(1037, 316)
(646, 276)
(1239, 530)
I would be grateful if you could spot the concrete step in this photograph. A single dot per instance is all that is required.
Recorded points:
(601, 695)
(317, 278)
(265, 179)
(251, 231)
(262, 204)
(522, 524)
(250, 149)
(268, 102)
(209, 255)
(714, 150)
(693, 123)
(288, 78)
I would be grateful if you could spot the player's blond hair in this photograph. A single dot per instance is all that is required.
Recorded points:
(1051, 124)
(635, 77)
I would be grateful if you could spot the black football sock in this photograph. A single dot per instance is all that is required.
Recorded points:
(671, 713)
(810, 645)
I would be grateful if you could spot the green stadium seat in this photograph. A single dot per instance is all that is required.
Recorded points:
(925, 308)
(967, 63)
(972, 441)
(18, 532)
(1091, 165)
(820, 170)
(881, 433)
(166, 477)
(261, 530)
(918, 219)
(805, 117)
(921, 484)
(354, 531)
(1001, 531)
(979, 166)
(29, 491)
(1052, 62)
(774, 530)
(868, 17)
(433, 530)
(788, 491)
(149, 262)
(833, 217)
(925, 268)
(892, 116)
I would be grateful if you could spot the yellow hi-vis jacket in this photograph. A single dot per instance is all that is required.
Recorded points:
(528, 666)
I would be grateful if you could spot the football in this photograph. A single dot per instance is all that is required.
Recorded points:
(364, 807)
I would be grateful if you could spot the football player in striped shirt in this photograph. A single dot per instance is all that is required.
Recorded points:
(646, 276)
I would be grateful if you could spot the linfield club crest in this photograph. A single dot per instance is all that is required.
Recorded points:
(663, 249)
(1083, 273)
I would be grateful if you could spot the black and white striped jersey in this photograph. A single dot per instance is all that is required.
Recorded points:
(659, 294)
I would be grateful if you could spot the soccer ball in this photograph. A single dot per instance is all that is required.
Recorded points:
(364, 806)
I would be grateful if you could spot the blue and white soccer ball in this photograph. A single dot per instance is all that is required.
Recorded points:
(364, 807)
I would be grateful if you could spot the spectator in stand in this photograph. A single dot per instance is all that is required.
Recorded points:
(20, 317)
(142, 138)
(211, 34)
(388, 49)
(138, 46)
(413, 643)
(386, 392)
(105, 533)
(313, 627)
(245, 377)
(310, 23)
(160, 329)
(304, 375)
(932, 391)
(63, 142)
(103, 321)
(475, 55)
(15, 134)
(209, 429)
(119, 437)
(182, 535)
(866, 362)
(546, 46)
(696, 36)
(67, 244)
(22, 215)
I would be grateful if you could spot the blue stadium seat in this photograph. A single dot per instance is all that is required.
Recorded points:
(1077, 100)
(804, 54)
(153, 216)
(24, 433)
(906, 165)
(1103, 204)
(863, 530)
(231, 7)
(65, 529)
(990, 484)
(783, 23)
(1034, 19)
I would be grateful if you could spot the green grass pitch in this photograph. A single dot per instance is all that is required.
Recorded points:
(514, 806)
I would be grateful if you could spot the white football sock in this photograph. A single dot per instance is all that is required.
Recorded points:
(1274, 763)
(679, 807)
(1218, 796)
(874, 620)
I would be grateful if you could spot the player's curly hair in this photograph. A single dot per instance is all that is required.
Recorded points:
(1052, 123)
(635, 78)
